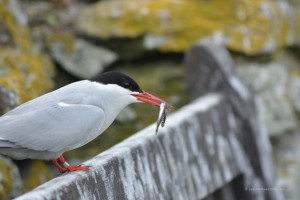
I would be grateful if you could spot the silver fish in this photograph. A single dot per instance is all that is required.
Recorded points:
(161, 119)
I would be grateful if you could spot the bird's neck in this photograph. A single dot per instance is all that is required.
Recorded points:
(112, 101)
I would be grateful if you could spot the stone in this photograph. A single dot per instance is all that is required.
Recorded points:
(25, 72)
(25, 76)
(50, 24)
(286, 151)
(33, 173)
(84, 60)
(294, 91)
(52, 13)
(269, 82)
(164, 25)
(8, 99)
(10, 179)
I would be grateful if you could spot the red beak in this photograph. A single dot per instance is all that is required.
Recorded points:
(151, 99)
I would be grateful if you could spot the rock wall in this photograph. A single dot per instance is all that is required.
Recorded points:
(212, 148)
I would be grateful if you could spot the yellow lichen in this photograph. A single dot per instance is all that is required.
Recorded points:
(6, 180)
(250, 26)
(33, 179)
(66, 39)
(25, 74)
(24, 71)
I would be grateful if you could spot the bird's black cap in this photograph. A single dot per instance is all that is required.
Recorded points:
(120, 79)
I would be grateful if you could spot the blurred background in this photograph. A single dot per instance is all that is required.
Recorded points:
(47, 44)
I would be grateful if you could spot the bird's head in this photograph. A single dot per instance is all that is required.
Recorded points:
(126, 85)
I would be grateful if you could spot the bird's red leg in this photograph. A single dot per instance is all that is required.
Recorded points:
(60, 168)
(61, 159)
(70, 168)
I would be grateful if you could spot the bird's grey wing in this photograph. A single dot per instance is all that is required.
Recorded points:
(52, 127)
(7, 144)
(74, 93)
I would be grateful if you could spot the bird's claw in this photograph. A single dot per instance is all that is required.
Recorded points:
(82, 165)
(73, 169)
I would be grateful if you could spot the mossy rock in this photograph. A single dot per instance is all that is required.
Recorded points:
(174, 26)
(10, 182)
(25, 73)
(85, 60)
(275, 85)
(34, 173)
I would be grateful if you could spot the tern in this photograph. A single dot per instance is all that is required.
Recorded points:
(68, 118)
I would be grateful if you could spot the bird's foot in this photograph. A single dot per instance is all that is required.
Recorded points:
(66, 167)
(77, 168)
